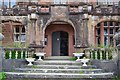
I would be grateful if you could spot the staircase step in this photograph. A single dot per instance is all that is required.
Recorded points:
(58, 62)
(79, 71)
(58, 75)
(58, 58)
(62, 67)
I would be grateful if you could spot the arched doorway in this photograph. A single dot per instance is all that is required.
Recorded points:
(60, 43)
(59, 35)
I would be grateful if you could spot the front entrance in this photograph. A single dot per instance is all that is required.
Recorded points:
(59, 43)
(59, 40)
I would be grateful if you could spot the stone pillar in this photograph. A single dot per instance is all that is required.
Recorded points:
(102, 33)
(118, 61)
(117, 37)
(0, 59)
(1, 53)
(85, 32)
(33, 32)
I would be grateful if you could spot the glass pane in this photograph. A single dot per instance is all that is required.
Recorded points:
(6, 2)
(17, 29)
(17, 37)
(111, 23)
(116, 30)
(63, 1)
(13, 2)
(111, 41)
(57, 1)
(23, 30)
(106, 41)
(0, 2)
(98, 41)
(116, 24)
(111, 31)
(105, 23)
(105, 31)
(98, 31)
(117, 42)
(23, 37)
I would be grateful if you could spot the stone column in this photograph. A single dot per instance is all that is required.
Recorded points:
(85, 32)
(0, 59)
(118, 61)
(102, 33)
(33, 32)
(1, 54)
(117, 37)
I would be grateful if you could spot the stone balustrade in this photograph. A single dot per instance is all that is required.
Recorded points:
(17, 53)
(101, 53)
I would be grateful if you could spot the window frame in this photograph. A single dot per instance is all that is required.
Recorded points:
(20, 33)
(106, 37)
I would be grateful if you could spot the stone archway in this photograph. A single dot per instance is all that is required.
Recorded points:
(59, 27)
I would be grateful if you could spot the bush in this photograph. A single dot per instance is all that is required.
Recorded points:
(2, 76)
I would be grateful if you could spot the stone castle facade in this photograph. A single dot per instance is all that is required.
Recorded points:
(60, 28)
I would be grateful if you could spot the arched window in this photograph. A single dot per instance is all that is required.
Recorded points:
(104, 32)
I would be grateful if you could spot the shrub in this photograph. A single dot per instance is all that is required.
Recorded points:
(2, 76)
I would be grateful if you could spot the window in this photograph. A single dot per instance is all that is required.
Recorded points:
(108, 2)
(8, 3)
(13, 2)
(104, 33)
(0, 2)
(74, 9)
(60, 1)
(19, 34)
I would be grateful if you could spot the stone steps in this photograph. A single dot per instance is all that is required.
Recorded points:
(58, 69)
(62, 67)
(57, 75)
(57, 62)
(58, 58)
(78, 71)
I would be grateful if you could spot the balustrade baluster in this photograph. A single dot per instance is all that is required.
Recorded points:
(21, 54)
(100, 54)
(10, 55)
(106, 55)
(96, 54)
(16, 55)
(87, 53)
(26, 54)
(91, 54)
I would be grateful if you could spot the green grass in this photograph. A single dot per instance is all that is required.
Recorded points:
(73, 59)
(116, 78)
(2, 76)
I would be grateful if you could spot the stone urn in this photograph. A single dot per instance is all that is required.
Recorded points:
(30, 60)
(40, 54)
(84, 61)
(78, 55)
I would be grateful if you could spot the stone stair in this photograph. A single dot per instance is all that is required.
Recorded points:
(58, 69)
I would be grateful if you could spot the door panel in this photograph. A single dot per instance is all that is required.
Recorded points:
(60, 43)
(56, 44)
